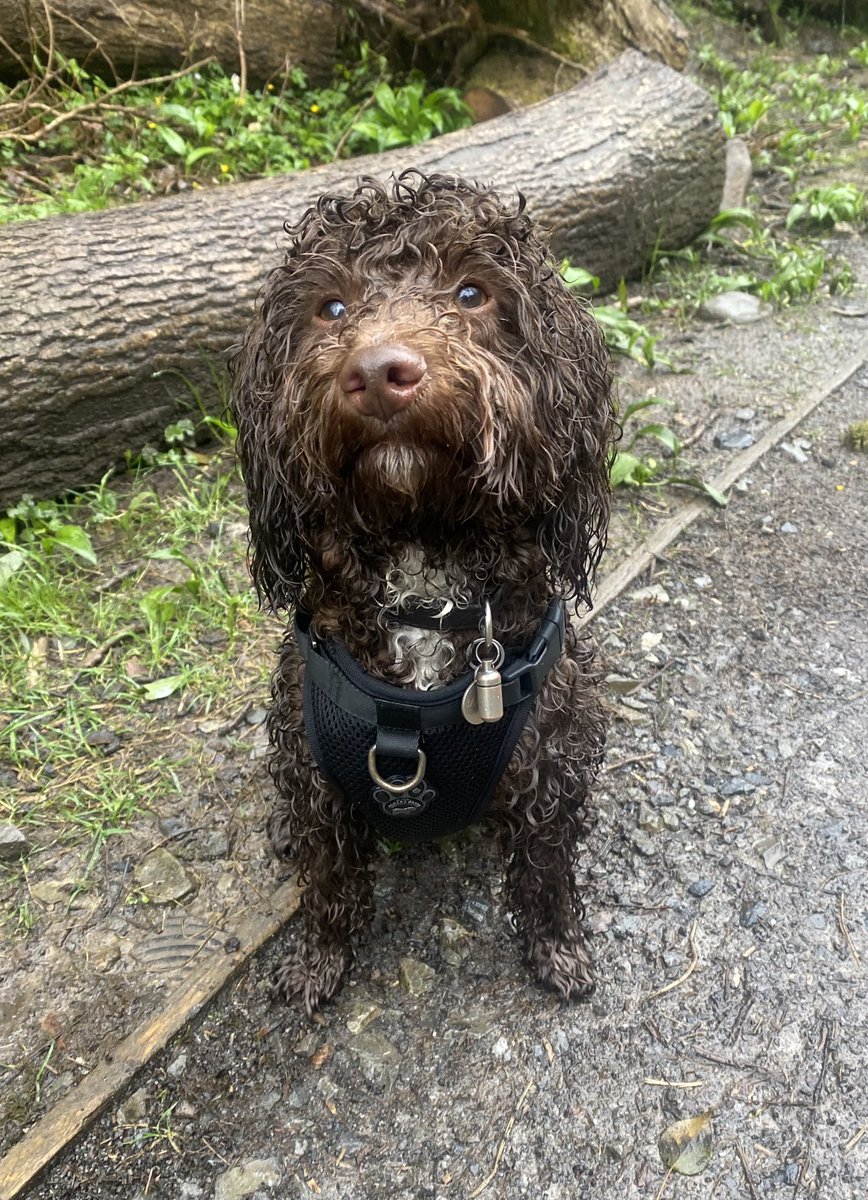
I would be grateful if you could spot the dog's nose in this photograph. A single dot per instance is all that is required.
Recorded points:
(382, 380)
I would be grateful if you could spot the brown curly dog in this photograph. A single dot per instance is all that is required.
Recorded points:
(424, 424)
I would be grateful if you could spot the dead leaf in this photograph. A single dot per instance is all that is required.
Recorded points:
(686, 1146)
(50, 1024)
(320, 1056)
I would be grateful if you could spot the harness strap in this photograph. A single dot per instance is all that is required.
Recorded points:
(399, 711)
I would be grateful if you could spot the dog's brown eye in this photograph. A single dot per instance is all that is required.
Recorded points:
(332, 310)
(470, 296)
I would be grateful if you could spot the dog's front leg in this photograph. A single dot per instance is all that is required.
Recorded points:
(544, 814)
(333, 852)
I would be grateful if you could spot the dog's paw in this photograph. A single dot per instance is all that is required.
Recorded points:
(312, 973)
(564, 967)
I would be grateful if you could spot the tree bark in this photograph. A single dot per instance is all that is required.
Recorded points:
(101, 314)
(125, 39)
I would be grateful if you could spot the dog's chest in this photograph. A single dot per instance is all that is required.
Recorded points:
(422, 657)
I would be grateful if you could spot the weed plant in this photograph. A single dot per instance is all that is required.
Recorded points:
(803, 122)
(88, 145)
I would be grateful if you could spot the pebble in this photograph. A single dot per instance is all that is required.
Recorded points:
(362, 1013)
(134, 1109)
(453, 942)
(378, 1059)
(737, 176)
(648, 819)
(242, 1181)
(654, 594)
(177, 1066)
(734, 439)
(796, 453)
(103, 739)
(415, 977)
(745, 414)
(643, 843)
(752, 912)
(789, 527)
(255, 716)
(700, 888)
(162, 878)
(737, 308)
(13, 843)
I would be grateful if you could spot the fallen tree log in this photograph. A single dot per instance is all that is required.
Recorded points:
(101, 313)
(124, 39)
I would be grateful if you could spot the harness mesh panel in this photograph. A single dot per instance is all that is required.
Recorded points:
(465, 763)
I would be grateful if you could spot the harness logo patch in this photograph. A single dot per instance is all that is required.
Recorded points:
(408, 804)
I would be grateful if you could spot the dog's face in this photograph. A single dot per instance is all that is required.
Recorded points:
(417, 362)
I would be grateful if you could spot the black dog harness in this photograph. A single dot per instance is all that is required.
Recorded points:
(372, 738)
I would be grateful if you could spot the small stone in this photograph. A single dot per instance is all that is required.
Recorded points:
(453, 942)
(816, 921)
(173, 827)
(643, 843)
(255, 716)
(242, 1181)
(102, 949)
(737, 786)
(703, 581)
(363, 1012)
(177, 1066)
(49, 891)
(772, 853)
(103, 739)
(752, 912)
(737, 176)
(734, 439)
(736, 308)
(745, 414)
(700, 888)
(671, 820)
(415, 977)
(13, 843)
(653, 594)
(189, 1190)
(650, 641)
(789, 527)
(207, 846)
(378, 1059)
(648, 819)
(796, 453)
(500, 1049)
(134, 1109)
(162, 878)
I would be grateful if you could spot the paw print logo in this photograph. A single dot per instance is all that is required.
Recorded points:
(409, 804)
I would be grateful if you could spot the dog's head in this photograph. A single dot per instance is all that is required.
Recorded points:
(417, 366)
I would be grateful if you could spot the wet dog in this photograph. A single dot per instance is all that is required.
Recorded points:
(425, 425)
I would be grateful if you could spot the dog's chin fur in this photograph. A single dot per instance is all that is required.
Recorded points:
(492, 479)
(398, 475)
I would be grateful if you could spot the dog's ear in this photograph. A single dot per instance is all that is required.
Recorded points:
(576, 413)
(277, 550)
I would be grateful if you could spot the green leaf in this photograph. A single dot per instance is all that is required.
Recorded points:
(74, 538)
(9, 564)
(662, 433)
(159, 689)
(173, 140)
(200, 152)
(623, 469)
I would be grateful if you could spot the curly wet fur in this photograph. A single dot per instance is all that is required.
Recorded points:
(495, 476)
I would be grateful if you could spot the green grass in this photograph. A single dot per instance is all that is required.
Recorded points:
(85, 145)
(117, 644)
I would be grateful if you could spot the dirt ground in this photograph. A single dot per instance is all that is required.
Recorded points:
(728, 899)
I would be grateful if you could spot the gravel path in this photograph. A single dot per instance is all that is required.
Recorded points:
(728, 909)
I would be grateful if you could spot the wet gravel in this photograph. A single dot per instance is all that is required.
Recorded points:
(728, 912)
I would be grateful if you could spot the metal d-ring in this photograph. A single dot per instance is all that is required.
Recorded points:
(396, 789)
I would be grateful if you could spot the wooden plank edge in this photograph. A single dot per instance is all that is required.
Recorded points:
(665, 534)
(53, 1132)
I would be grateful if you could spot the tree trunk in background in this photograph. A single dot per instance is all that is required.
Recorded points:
(123, 39)
(100, 313)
